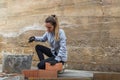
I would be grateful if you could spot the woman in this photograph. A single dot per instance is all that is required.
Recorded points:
(57, 40)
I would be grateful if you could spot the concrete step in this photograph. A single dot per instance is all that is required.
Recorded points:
(61, 79)
(51, 71)
(67, 75)
(39, 74)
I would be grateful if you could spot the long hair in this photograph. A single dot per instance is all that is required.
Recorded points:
(54, 21)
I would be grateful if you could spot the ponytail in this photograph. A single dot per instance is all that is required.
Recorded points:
(56, 28)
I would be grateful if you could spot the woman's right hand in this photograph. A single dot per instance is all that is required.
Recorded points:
(31, 39)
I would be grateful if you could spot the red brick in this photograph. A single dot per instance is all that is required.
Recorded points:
(39, 74)
(115, 76)
(47, 74)
(57, 67)
(101, 76)
(30, 73)
(107, 76)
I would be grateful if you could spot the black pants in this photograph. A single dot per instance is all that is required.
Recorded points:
(43, 50)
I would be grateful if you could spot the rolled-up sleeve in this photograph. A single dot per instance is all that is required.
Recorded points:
(63, 50)
(42, 38)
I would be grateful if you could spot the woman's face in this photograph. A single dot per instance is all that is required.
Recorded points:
(50, 27)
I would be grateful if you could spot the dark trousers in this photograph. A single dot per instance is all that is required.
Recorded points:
(43, 50)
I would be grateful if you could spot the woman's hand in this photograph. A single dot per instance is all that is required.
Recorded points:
(53, 62)
(31, 39)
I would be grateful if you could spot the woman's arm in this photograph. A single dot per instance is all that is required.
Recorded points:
(42, 38)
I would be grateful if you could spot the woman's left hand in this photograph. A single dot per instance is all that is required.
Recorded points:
(53, 62)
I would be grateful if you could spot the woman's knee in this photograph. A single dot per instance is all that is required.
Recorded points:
(41, 65)
(38, 47)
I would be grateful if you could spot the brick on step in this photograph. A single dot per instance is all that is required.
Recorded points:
(39, 74)
(30, 73)
(57, 67)
(47, 74)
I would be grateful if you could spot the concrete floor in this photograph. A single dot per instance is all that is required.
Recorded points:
(69, 73)
(76, 74)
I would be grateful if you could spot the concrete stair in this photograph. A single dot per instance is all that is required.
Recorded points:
(50, 72)
(67, 75)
